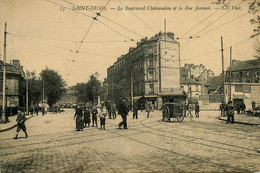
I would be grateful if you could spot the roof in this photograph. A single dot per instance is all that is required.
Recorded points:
(172, 92)
(189, 81)
(245, 65)
(213, 82)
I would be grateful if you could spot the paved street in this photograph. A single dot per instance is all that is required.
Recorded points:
(149, 145)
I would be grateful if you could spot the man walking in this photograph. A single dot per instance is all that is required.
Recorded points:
(197, 110)
(94, 113)
(123, 111)
(230, 113)
(20, 124)
(135, 111)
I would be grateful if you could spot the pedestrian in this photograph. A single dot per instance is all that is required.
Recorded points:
(197, 110)
(87, 117)
(123, 111)
(94, 113)
(79, 122)
(238, 108)
(36, 110)
(113, 110)
(230, 113)
(148, 109)
(109, 109)
(243, 108)
(102, 115)
(135, 111)
(221, 107)
(190, 110)
(43, 111)
(20, 124)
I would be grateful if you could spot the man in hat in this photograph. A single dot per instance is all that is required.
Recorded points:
(20, 124)
(123, 111)
(230, 113)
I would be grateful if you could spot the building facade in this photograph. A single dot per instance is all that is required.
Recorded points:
(245, 82)
(147, 73)
(15, 76)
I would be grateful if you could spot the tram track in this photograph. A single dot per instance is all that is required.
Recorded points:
(196, 159)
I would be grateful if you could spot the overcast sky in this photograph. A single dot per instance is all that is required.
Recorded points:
(42, 33)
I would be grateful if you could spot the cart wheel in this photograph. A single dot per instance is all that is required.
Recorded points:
(180, 118)
(166, 113)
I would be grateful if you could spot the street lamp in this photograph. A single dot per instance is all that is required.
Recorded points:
(3, 118)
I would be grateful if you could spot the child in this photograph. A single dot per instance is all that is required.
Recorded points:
(102, 116)
(20, 124)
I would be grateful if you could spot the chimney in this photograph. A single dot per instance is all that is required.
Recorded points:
(16, 63)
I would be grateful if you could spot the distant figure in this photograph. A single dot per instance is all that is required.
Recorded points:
(253, 104)
(238, 108)
(87, 117)
(94, 113)
(123, 111)
(113, 110)
(230, 113)
(109, 109)
(135, 111)
(36, 110)
(197, 110)
(190, 110)
(20, 124)
(148, 109)
(43, 110)
(79, 122)
(102, 116)
(221, 107)
(243, 108)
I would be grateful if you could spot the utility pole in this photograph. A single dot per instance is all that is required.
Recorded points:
(223, 72)
(132, 91)
(190, 87)
(42, 90)
(230, 75)
(3, 118)
(27, 94)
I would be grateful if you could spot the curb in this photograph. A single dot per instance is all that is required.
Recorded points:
(237, 122)
(9, 128)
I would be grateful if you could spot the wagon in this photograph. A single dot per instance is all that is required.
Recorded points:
(173, 110)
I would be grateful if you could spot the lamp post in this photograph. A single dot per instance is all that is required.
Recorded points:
(4, 110)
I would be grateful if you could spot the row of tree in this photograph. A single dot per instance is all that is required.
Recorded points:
(88, 91)
(49, 82)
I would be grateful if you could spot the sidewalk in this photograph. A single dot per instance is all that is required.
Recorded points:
(244, 119)
(12, 124)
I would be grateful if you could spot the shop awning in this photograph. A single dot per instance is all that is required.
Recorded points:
(240, 96)
(150, 96)
(137, 97)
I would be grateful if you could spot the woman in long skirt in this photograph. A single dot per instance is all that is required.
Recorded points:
(79, 122)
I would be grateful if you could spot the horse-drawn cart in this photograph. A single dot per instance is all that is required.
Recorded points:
(173, 110)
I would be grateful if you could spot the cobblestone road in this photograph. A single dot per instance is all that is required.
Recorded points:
(149, 145)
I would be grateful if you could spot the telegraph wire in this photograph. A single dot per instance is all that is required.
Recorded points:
(106, 19)
(216, 20)
(223, 24)
(38, 37)
(199, 23)
(139, 18)
(115, 30)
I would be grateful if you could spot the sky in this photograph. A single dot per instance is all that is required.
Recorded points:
(63, 36)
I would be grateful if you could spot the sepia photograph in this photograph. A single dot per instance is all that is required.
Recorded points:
(129, 86)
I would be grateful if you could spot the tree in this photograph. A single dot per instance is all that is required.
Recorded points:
(254, 9)
(34, 88)
(53, 85)
(85, 92)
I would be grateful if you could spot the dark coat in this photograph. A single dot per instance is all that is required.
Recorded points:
(123, 109)
(79, 122)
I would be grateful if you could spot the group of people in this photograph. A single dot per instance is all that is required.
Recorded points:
(83, 116)
(239, 107)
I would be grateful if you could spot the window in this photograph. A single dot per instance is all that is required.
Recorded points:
(150, 62)
(248, 78)
(240, 76)
(256, 76)
(238, 88)
(151, 89)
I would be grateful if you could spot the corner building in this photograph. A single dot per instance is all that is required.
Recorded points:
(149, 72)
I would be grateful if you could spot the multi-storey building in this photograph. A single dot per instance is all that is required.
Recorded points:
(148, 72)
(14, 78)
(245, 82)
